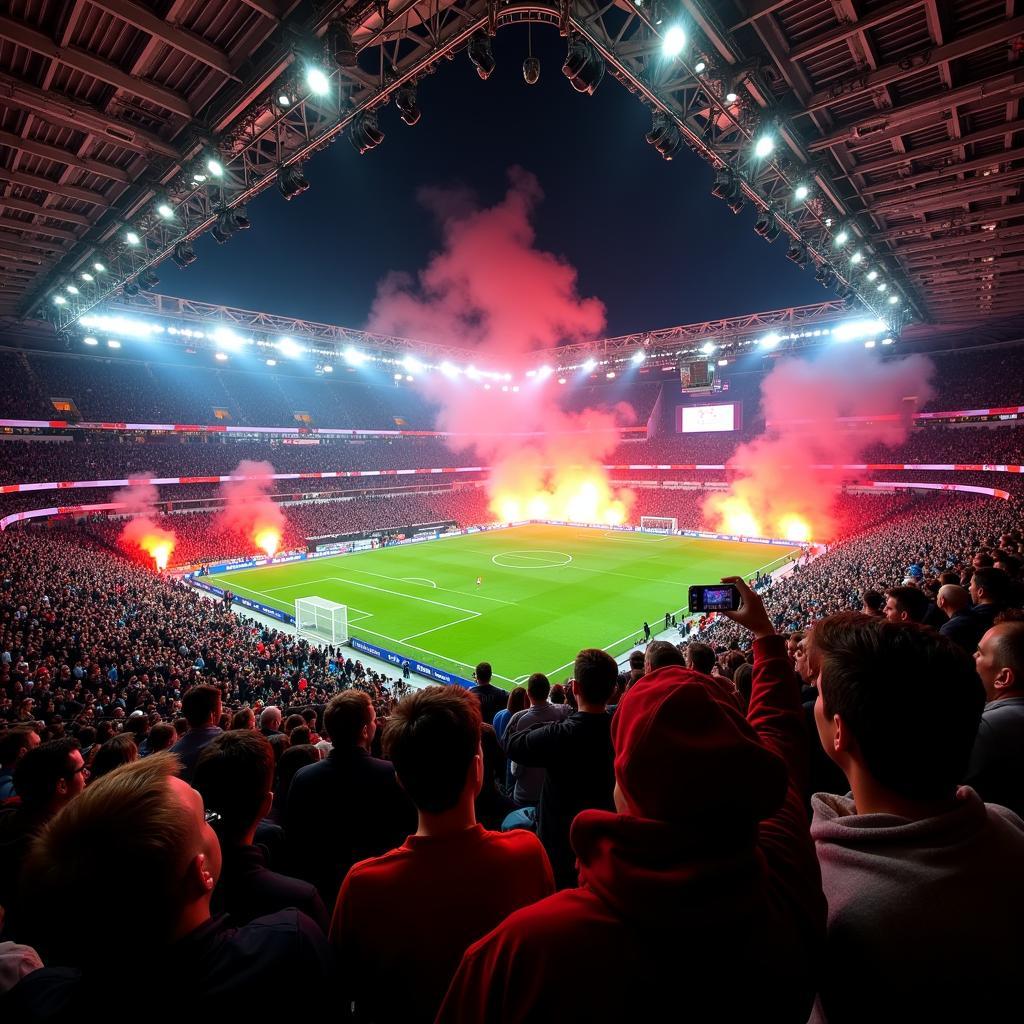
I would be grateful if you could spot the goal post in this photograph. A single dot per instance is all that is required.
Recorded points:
(320, 620)
(659, 524)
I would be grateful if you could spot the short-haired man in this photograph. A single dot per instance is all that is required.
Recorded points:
(46, 779)
(14, 745)
(235, 777)
(576, 755)
(990, 591)
(996, 771)
(660, 653)
(905, 604)
(270, 721)
(960, 626)
(202, 708)
(528, 781)
(492, 698)
(348, 806)
(700, 657)
(149, 827)
(707, 864)
(921, 877)
(422, 904)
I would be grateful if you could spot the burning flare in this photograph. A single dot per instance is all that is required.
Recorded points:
(268, 539)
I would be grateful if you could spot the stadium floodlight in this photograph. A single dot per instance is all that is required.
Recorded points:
(882, 286)
(99, 268)
(289, 348)
(842, 237)
(801, 192)
(86, 276)
(226, 338)
(674, 41)
(124, 326)
(561, 380)
(71, 289)
(769, 340)
(708, 347)
(610, 375)
(638, 356)
(90, 341)
(165, 210)
(450, 371)
(412, 364)
(284, 100)
(327, 368)
(857, 257)
(763, 146)
(472, 373)
(870, 343)
(131, 238)
(408, 377)
(271, 362)
(113, 343)
(544, 372)
(214, 166)
(221, 357)
(700, 67)
(354, 357)
(872, 274)
(398, 376)
(590, 365)
(723, 362)
(318, 82)
(731, 96)
(855, 329)
(893, 299)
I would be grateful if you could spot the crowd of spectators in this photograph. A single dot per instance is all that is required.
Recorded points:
(159, 744)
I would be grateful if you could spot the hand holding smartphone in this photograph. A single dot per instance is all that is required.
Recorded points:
(715, 597)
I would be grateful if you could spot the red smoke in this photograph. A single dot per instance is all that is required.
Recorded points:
(248, 509)
(775, 491)
(141, 533)
(489, 289)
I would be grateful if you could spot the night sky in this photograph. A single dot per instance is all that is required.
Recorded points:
(646, 235)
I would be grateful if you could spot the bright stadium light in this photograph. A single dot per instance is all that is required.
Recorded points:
(354, 357)
(674, 41)
(408, 377)
(131, 238)
(327, 368)
(317, 81)
(165, 210)
(124, 326)
(872, 274)
(89, 341)
(271, 362)
(561, 380)
(284, 100)
(764, 146)
(801, 192)
(450, 371)
(590, 365)
(723, 362)
(71, 290)
(226, 338)
(853, 330)
(544, 372)
(86, 276)
(708, 347)
(842, 238)
(59, 300)
(215, 167)
(289, 347)
(639, 356)
(700, 67)
(893, 299)
(221, 357)
(857, 257)
(610, 375)
(870, 343)
(731, 96)
(769, 340)
(113, 343)
(412, 364)
(398, 376)
(99, 268)
(882, 286)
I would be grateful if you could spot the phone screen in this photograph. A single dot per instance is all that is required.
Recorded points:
(717, 598)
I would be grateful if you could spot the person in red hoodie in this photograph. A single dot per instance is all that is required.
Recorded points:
(701, 898)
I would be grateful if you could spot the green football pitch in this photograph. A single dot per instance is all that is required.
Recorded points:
(546, 592)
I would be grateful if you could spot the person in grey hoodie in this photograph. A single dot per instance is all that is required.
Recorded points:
(923, 882)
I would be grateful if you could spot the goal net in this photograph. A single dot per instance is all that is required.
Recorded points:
(321, 620)
(659, 524)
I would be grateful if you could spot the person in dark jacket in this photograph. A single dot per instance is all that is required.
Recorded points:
(152, 826)
(492, 698)
(577, 757)
(707, 863)
(201, 707)
(234, 776)
(347, 807)
(960, 626)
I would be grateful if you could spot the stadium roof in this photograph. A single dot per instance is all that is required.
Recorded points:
(903, 118)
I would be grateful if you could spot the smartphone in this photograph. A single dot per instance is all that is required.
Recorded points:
(715, 597)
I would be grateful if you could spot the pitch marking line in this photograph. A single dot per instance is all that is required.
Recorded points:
(444, 625)
(446, 590)
(417, 579)
(544, 561)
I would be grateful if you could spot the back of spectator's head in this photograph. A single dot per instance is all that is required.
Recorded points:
(299, 736)
(279, 743)
(347, 717)
(270, 719)
(243, 719)
(744, 680)
(636, 661)
(685, 754)
(148, 823)
(118, 750)
(293, 722)
(660, 653)
(482, 673)
(517, 699)
(16, 743)
(991, 586)
(162, 737)
(700, 657)
(49, 775)
(999, 659)
(905, 604)
(557, 694)
(538, 687)
(898, 700)
(201, 706)
(290, 762)
(594, 675)
(433, 740)
(729, 662)
(235, 776)
(793, 640)
(872, 602)
(953, 598)
(949, 577)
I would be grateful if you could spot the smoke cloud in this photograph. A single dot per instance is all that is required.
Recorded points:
(141, 532)
(490, 289)
(775, 489)
(249, 510)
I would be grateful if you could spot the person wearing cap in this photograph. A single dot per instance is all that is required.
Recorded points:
(700, 892)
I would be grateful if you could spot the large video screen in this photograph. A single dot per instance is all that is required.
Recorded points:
(704, 419)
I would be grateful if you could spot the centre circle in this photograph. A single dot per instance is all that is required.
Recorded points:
(531, 559)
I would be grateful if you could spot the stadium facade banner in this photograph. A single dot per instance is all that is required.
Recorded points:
(419, 667)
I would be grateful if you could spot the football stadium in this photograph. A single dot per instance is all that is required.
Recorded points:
(511, 510)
